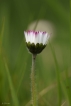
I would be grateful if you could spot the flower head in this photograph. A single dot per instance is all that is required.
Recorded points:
(36, 41)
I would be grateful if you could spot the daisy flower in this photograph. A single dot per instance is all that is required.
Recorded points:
(36, 41)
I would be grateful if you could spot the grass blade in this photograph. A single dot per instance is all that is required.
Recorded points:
(15, 101)
(57, 74)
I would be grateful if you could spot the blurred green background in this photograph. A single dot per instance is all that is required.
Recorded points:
(53, 65)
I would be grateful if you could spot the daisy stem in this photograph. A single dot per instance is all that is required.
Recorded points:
(33, 82)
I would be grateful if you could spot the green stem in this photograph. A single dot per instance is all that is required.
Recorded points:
(33, 85)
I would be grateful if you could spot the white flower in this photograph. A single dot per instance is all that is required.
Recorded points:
(36, 41)
(36, 37)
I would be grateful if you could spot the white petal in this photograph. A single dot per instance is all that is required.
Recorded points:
(33, 38)
(28, 39)
(44, 38)
(25, 33)
(40, 37)
(36, 38)
(31, 35)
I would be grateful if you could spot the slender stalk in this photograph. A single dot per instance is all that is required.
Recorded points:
(33, 82)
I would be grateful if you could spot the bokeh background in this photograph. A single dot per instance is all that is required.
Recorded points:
(53, 65)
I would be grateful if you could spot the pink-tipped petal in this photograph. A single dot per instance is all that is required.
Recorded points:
(36, 37)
